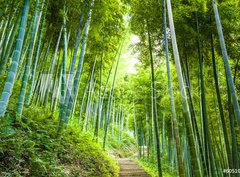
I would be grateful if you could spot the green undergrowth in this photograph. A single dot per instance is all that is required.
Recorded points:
(120, 144)
(30, 148)
(150, 166)
(121, 147)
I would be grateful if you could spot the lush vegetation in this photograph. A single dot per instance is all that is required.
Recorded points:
(84, 82)
(30, 148)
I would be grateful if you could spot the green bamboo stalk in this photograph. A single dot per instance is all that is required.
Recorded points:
(87, 104)
(191, 106)
(6, 40)
(195, 166)
(206, 137)
(96, 131)
(7, 52)
(224, 127)
(55, 88)
(113, 116)
(63, 78)
(163, 133)
(37, 18)
(142, 138)
(25, 46)
(148, 131)
(91, 87)
(4, 33)
(155, 108)
(83, 98)
(135, 125)
(226, 63)
(111, 96)
(56, 96)
(89, 108)
(235, 155)
(77, 78)
(207, 162)
(14, 65)
(77, 43)
(8, 34)
(51, 70)
(72, 66)
(193, 117)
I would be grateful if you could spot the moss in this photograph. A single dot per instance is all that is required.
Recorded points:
(29, 148)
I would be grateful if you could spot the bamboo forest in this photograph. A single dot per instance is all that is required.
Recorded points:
(119, 88)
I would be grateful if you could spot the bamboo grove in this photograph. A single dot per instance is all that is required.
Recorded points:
(181, 104)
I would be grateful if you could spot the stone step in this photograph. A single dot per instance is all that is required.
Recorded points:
(129, 168)
(126, 174)
(133, 175)
(132, 170)
(127, 163)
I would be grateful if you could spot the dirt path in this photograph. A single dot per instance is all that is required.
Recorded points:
(130, 168)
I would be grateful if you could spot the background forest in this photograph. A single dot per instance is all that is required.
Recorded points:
(85, 82)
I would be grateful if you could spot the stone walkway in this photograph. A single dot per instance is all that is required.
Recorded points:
(129, 168)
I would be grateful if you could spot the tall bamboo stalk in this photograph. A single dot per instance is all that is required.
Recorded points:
(8, 87)
(155, 108)
(63, 78)
(36, 22)
(77, 78)
(111, 97)
(170, 89)
(195, 166)
(226, 64)
(224, 127)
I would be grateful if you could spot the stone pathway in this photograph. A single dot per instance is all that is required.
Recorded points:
(129, 168)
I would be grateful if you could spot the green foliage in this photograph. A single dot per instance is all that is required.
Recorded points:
(151, 166)
(125, 147)
(27, 148)
(30, 148)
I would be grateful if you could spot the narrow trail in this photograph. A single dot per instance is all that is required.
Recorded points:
(129, 168)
